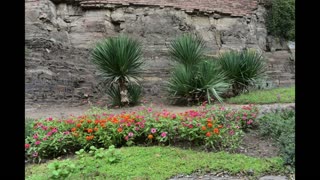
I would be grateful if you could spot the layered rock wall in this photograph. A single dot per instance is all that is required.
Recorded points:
(61, 33)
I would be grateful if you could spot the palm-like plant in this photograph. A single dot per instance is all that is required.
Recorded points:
(243, 68)
(194, 78)
(187, 49)
(119, 61)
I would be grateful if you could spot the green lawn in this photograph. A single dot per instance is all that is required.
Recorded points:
(164, 162)
(277, 95)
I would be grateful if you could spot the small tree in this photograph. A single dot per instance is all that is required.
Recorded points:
(119, 61)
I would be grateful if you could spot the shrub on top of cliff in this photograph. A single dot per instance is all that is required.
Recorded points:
(119, 61)
(194, 78)
(243, 68)
(281, 19)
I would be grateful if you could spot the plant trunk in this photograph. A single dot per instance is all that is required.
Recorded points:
(123, 92)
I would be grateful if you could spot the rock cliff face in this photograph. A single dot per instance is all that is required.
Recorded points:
(61, 33)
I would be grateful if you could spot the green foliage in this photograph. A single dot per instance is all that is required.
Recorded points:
(166, 162)
(61, 169)
(243, 68)
(281, 19)
(280, 125)
(28, 126)
(187, 50)
(194, 79)
(118, 59)
(275, 95)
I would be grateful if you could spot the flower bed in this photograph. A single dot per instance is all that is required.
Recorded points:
(214, 127)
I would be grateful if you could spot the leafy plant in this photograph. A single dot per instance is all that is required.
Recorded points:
(281, 19)
(119, 61)
(195, 78)
(243, 68)
(188, 50)
(61, 169)
(280, 125)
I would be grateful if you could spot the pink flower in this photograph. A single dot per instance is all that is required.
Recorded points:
(26, 146)
(54, 130)
(35, 154)
(137, 128)
(37, 142)
(250, 121)
(153, 130)
(35, 136)
(164, 134)
(50, 119)
(173, 116)
(244, 118)
(190, 126)
(237, 127)
(44, 128)
(44, 138)
(149, 109)
(70, 121)
(126, 138)
(231, 132)
(49, 133)
(130, 134)
(66, 132)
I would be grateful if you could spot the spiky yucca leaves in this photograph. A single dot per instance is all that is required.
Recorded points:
(212, 80)
(205, 82)
(187, 49)
(243, 68)
(118, 59)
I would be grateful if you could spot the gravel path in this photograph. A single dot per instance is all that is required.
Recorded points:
(64, 111)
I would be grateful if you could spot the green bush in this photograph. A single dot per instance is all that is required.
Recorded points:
(280, 125)
(119, 61)
(194, 78)
(281, 19)
(243, 68)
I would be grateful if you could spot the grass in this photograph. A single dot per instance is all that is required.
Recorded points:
(276, 95)
(164, 162)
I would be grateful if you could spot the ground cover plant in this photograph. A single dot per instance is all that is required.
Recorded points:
(266, 96)
(280, 125)
(213, 127)
(154, 162)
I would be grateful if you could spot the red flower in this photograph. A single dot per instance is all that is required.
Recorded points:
(208, 134)
(203, 128)
(26, 146)
(216, 130)
(220, 126)
(95, 129)
(119, 130)
(73, 129)
(78, 125)
(209, 125)
(90, 130)
(89, 121)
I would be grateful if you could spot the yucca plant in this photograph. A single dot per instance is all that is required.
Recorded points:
(194, 78)
(243, 68)
(187, 49)
(119, 60)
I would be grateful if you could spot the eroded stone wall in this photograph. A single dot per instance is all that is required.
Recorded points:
(60, 35)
